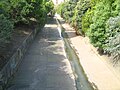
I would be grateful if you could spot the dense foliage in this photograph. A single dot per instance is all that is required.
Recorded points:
(23, 10)
(73, 12)
(113, 34)
(80, 9)
(6, 28)
(99, 20)
(13, 12)
(97, 28)
(68, 10)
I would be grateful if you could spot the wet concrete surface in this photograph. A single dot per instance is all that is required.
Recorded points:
(45, 66)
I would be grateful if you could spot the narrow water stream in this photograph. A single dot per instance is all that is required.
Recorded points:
(82, 82)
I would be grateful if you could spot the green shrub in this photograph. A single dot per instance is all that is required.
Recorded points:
(87, 21)
(6, 28)
(97, 32)
(59, 8)
(114, 47)
(20, 11)
(16, 10)
(49, 6)
(80, 10)
(87, 17)
(99, 19)
(5, 8)
(23, 10)
(113, 26)
(113, 34)
(41, 8)
(115, 7)
(66, 10)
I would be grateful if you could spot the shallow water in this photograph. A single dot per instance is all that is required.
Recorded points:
(81, 79)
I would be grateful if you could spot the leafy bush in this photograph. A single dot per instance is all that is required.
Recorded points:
(19, 11)
(115, 7)
(49, 6)
(87, 17)
(5, 8)
(113, 34)
(73, 11)
(80, 9)
(6, 28)
(99, 19)
(23, 10)
(66, 10)
(113, 26)
(59, 8)
(16, 10)
(97, 32)
(40, 9)
(87, 21)
(114, 47)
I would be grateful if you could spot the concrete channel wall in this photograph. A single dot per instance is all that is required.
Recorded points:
(10, 68)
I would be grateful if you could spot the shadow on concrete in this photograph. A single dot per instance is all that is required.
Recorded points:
(45, 66)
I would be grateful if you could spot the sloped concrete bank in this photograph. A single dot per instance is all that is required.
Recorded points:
(10, 68)
(97, 71)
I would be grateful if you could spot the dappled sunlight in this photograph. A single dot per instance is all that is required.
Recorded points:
(45, 66)
(26, 32)
(50, 25)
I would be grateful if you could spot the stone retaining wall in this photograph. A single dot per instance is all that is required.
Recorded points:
(10, 68)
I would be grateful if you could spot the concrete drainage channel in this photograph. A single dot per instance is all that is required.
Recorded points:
(81, 79)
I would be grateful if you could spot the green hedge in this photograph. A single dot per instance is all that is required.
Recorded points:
(80, 10)
(113, 34)
(21, 11)
(66, 10)
(97, 31)
(99, 20)
(6, 28)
